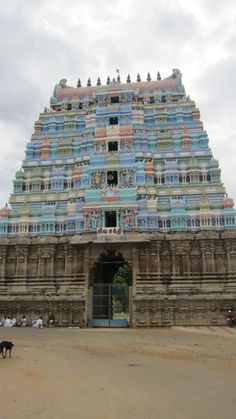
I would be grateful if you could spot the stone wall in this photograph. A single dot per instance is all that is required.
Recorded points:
(178, 279)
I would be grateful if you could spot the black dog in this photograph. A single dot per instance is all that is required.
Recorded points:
(4, 347)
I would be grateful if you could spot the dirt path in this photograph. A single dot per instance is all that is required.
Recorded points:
(173, 373)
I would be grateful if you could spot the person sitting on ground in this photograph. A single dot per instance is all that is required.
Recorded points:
(23, 322)
(51, 321)
(38, 323)
(8, 322)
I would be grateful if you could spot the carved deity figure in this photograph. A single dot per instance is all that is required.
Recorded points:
(99, 147)
(93, 219)
(127, 177)
(127, 221)
(96, 179)
(125, 145)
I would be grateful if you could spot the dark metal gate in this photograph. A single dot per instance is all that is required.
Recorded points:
(110, 305)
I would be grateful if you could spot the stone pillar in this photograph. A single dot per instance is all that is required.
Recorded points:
(229, 266)
(26, 252)
(141, 257)
(66, 263)
(80, 262)
(132, 304)
(25, 265)
(152, 261)
(203, 249)
(134, 267)
(3, 262)
(20, 261)
(17, 263)
(51, 263)
(188, 272)
(172, 248)
(86, 267)
(40, 263)
(158, 248)
(59, 317)
(147, 252)
(213, 258)
(67, 255)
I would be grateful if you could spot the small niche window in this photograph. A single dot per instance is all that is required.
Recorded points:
(115, 99)
(113, 146)
(113, 120)
(112, 178)
(110, 218)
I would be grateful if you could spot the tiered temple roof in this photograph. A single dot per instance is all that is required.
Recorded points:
(118, 158)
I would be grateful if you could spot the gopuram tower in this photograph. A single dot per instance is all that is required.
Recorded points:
(118, 215)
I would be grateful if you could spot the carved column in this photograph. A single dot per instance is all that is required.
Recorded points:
(17, 262)
(86, 268)
(229, 266)
(203, 249)
(141, 257)
(147, 252)
(188, 261)
(20, 260)
(51, 263)
(158, 249)
(153, 261)
(172, 248)
(213, 258)
(135, 269)
(66, 262)
(80, 262)
(3, 263)
(26, 252)
(40, 263)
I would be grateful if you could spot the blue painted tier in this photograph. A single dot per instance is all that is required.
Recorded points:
(132, 157)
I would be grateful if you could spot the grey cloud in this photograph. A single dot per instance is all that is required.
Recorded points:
(217, 88)
(215, 6)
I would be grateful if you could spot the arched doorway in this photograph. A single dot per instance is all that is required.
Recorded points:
(111, 282)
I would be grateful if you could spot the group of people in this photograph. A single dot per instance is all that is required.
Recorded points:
(38, 323)
(8, 321)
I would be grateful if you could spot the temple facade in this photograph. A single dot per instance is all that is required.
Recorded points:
(118, 214)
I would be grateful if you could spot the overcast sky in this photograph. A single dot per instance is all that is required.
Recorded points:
(45, 40)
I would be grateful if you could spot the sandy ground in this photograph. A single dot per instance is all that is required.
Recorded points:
(176, 373)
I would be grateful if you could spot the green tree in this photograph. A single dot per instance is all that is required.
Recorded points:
(123, 275)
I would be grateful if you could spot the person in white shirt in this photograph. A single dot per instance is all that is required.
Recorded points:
(8, 322)
(38, 323)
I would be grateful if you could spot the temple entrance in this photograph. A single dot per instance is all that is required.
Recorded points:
(111, 285)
